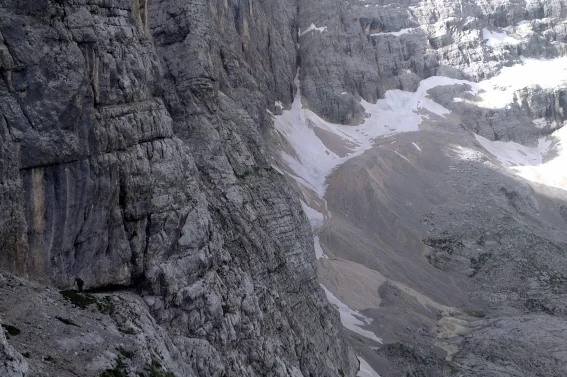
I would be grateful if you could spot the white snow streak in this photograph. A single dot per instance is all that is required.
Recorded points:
(395, 33)
(543, 164)
(319, 250)
(399, 111)
(402, 156)
(365, 369)
(311, 28)
(351, 319)
(494, 39)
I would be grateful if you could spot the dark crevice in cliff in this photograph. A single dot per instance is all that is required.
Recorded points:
(52, 164)
(83, 158)
(91, 59)
(148, 229)
(9, 127)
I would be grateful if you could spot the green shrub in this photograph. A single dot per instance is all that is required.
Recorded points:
(80, 300)
(117, 371)
(105, 305)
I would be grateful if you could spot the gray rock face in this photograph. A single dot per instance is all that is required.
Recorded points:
(12, 363)
(132, 154)
(134, 137)
(534, 112)
(370, 46)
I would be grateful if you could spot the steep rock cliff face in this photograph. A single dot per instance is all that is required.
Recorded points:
(132, 155)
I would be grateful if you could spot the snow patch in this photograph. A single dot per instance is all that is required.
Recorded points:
(319, 250)
(551, 171)
(395, 33)
(316, 218)
(512, 154)
(498, 92)
(467, 154)
(416, 146)
(365, 369)
(351, 319)
(544, 163)
(540, 123)
(311, 28)
(494, 38)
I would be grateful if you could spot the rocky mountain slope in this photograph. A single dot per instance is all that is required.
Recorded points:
(439, 213)
(168, 151)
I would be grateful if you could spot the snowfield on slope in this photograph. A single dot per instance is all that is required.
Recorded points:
(311, 154)
(494, 38)
(314, 158)
(351, 319)
(498, 92)
(545, 163)
(365, 369)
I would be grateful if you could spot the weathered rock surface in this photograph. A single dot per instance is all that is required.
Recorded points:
(132, 154)
(134, 142)
(72, 334)
(12, 363)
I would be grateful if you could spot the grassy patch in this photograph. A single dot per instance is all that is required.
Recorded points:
(539, 305)
(478, 262)
(80, 300)
(67, 321)
(157, 371)
(117, 371)
(84, 300)
(105, 305)
(11, 330)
